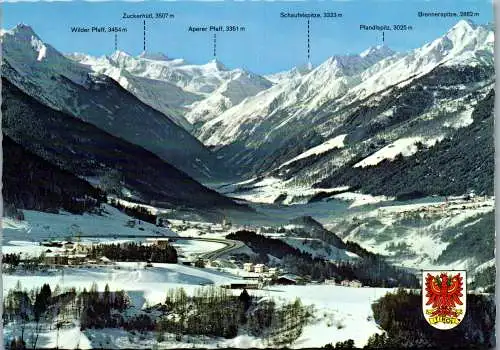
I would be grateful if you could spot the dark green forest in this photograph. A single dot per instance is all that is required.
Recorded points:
(30, 182)
(401, 318)
(135, 252)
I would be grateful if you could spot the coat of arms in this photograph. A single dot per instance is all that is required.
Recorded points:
(444, 298)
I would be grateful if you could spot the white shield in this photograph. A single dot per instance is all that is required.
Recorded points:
(444, 298)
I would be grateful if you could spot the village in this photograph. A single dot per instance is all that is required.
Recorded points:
(450, 207)
(57, 255)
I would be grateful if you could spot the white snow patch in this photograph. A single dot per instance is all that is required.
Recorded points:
(405, 146)
(42, 53)
(462, 120)
(336, 142)
(485, 265)
(359, 199)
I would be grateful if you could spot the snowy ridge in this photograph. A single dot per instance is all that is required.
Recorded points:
(161, 95)
(464, 44)
(346, 79)
(187, 93)
(66, 85)
(301, 92)
(239, 86)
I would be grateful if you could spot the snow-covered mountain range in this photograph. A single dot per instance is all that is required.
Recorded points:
(383, 102)
(371, 127)
(299, 125)
(258, 124)
(347, 79)
(62, 84)
(188, 93)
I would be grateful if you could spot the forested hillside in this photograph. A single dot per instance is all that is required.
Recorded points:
(460, 163)
(30, 182)
(371, 270)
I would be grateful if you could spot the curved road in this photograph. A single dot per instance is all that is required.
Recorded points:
(229, 244)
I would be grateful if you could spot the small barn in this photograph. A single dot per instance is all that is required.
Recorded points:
(105, 261)
(68, 245)
(56, 259)
(76, 259)
(286, 280)
(162, 243)
(242, 285)
(345, 283)
(355, 284)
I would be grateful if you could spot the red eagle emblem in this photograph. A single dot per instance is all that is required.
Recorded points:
(444, 292)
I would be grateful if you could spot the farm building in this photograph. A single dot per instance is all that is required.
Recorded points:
(260, 268)
(104, 260)
(56, 259)
(248, 267)
(162, 243)
(242, 285)
(353, 283)
(286, 280)
(68, 245)
(76, 259)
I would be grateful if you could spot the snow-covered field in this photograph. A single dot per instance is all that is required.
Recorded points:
(152, 282)
(38, 226)
(269, 189)
(341, 313)
(404, 146)
(359, 199)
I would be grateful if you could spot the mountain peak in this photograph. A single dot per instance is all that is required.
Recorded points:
(154, 56)
(119, 54)
(378, 50)
(216, 65)
(302, 69)
(466, 35)
(23, 31)
(464, 25)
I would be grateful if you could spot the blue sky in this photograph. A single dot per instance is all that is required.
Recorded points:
(269, 43)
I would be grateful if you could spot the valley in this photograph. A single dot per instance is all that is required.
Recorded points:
(153, 201)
